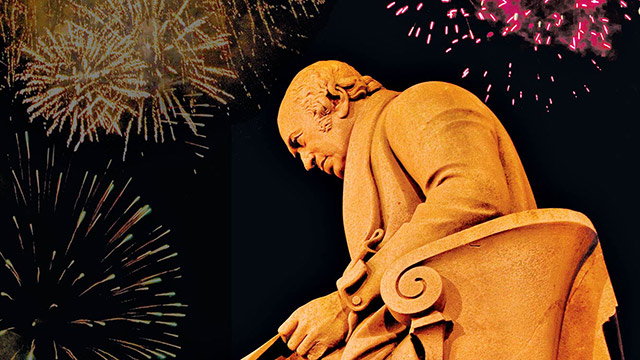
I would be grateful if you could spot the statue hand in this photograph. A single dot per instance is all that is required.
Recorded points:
(316, 327)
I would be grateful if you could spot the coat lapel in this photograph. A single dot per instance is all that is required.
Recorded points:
(361, 205)
(397, 194)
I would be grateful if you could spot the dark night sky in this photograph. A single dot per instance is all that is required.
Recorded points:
(287, 241)
(259, 236)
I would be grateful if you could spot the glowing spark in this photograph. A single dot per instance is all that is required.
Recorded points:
(175, 49)
(110, 277)
(81, 79)
(126, 67)
(14, 22)
(584, 27)
(61, 268)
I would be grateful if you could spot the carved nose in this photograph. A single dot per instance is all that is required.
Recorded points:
(308, 161)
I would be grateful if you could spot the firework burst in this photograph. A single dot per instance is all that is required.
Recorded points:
(82, 79)
(580, 25)
(258, 29)
(13, 20)
(185, 57)
(20, 23)
(579, 30)
(125, 66)
(86, 274)
(143, 68)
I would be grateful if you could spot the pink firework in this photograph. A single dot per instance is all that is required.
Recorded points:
(580, 25)
(568, 29)
(452, 27)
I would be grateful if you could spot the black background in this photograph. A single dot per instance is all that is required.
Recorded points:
(259, 236)
(287, 241)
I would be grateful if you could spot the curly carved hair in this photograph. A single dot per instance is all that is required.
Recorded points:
(316, 85)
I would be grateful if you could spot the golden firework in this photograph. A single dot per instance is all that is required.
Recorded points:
(122, 63)
(20, 23)
(82, 77)
(185, 56)
(141, 67)
(13, 19)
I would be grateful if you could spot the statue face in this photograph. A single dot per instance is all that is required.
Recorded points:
(303, 135)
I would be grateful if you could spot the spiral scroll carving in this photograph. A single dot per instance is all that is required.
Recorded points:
(417, 290)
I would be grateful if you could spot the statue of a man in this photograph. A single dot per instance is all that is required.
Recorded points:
(417, 165)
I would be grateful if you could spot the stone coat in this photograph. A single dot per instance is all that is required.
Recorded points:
(421, 165)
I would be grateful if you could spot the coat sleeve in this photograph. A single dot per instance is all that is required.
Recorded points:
(453, 156)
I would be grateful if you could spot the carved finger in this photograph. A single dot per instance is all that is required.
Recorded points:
(288, 327)
(296, 339)
(317, 351)
(306, 345)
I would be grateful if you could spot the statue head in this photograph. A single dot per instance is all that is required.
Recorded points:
(317, 113)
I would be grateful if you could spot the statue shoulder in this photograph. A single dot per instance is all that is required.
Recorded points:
(422, 103)
(436, 96)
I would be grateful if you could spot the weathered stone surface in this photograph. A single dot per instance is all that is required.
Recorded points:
(450, 259)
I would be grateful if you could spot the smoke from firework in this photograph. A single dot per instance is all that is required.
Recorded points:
(580, 25)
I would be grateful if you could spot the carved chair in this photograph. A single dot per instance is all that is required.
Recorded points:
(530, 285)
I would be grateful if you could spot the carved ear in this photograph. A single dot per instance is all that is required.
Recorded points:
(340, 102)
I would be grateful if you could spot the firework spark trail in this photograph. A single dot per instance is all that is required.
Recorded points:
(179, 52)
(164, 62)
(581, 27)
(451, 25)
(85, 293)
(256, 28)
(21, 22)
(13, 20)
(83, 78)
(261, 18)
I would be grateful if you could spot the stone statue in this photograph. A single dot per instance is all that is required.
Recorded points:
(438, 215)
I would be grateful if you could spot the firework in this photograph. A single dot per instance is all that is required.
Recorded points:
(184, 58)
(584, 27)
(580, 25)
(20, 23)
(86, 273)
(13, 19)
(82, 79)
(146, 67)
(122, 64)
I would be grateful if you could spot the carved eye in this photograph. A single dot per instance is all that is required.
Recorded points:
(293, 142)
